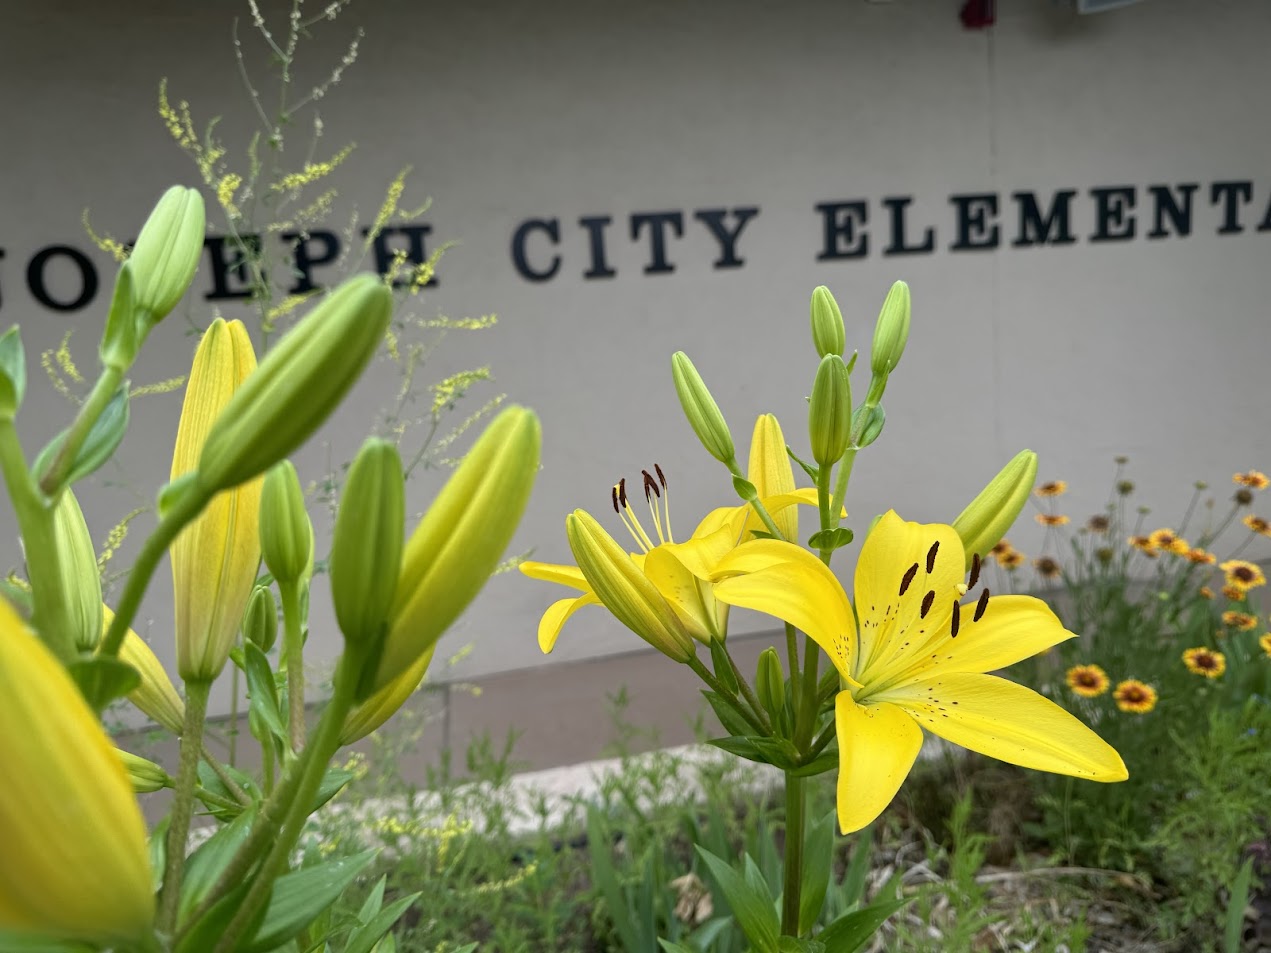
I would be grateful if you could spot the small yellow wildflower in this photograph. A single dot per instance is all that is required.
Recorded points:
(1243, 575)
(1169, 541)
(1053, 488)
(1206, 662)
(1051, 519)
(1047, 567)
(1201, 557)
(1206, 592)
(1144, 545)
(1012, 560)
(1088, 681)
(1135, 697)
(1233, 593)
(1265, 642)
(1258, 525)
(1240, 621)
(1253, 478)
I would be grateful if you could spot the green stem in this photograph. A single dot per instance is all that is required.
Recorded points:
(326, 742)
(808, 694)
(294, 653)
(822, 740)
(718, 688)
(196, 694)
(751, 698)
(89, 411)
(208, 797)
(845, 475)
(267, 762)
(227, 779)
(233, 715)
(757, 505)
(793, 889)
(186, 508)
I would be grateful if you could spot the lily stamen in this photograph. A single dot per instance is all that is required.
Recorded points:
(629, 519)
(650, 492)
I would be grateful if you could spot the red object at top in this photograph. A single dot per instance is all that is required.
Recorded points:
(978, 14)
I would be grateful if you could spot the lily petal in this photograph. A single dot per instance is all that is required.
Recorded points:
(557, 615)
(1009, 722)
(769, 471)
(701, 554)
(570, 576)
(787, 581)
(690, 597)
(894, 618)
(877, 746)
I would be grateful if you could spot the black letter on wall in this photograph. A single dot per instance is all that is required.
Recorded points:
(1035, 228)
(595, 226)
(1228, 193)
(1179, 211)
(657, 222)
(549, 225)
(1112, 208)
(840, 221)
(305, 262)
(224, 268)
(896, 205)
(87, 278)
(714, 219)
(973, 228)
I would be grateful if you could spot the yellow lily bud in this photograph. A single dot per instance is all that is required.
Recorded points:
(987, 518)
(385, 702)
(166, 255)
(215, 558)
(76, 865)
(830, 411)
(78, 581)
(891, 332)
(771, 475)
(155, 696)
(366, 545)
(298, 384)
(459, 541)
(260, 622)
(828, 334)
(701, 410)
(286, 536)
(624, 589)
(146, 776)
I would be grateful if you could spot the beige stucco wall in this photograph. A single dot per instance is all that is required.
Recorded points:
(1155, 348)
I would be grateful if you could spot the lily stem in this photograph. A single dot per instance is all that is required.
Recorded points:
(792, 895)
(227, 779)
(196, 693)
(294, 651)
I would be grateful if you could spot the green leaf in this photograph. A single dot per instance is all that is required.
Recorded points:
(790, 944)
(333, 782)
(372, 930)
(158, 848)
(809, 468)
(728, 716)
(825, 761)
(204, 866)
(852, 889)
(868, 427)
(12, 373)
(745, 489)
(1234, 928)
(374, 901)
(818, 854)
(103, 678)
(606, 878)
(202, 936)
(852, 930)
(102, 441)
(754, 911)
(740, 745)
(777, 751)
(723, 667)
(831, 538)
(262, 690)
(18, 597)
(118, 346)
(12, 941)
(298, 897)
(670, 947)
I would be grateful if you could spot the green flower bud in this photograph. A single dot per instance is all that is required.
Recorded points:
(830, 411)
(702, 411)
(459, 541)
(770, 682)
(297, 385)
(164, 259)
(828, 334)
(366, 546)
(146, 776)
(120, 342)
(985, 521)
(12, 373)
(286, 538)
(260, 621)
(76, 579)
(891, 332)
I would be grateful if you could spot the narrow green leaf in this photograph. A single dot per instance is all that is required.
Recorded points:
(102, 441)
(333, 782)
(1233, 934)
(809, 468)
(262, 690)
(852, 930)
(204, 866)
(374, 901)
(740, 745)
(818, 854)
(825, 761)
(606, 878)
(754, 911)
(12, 372)
(670, 947)
(728, 716)
(853, 886)
(723, 667)
(364, 938)
(103, 678)
(298, 897)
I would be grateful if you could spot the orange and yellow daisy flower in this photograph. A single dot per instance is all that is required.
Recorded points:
(1051, 519)
(1047, 567)
(1206, 662)
(1012, 560)
(1265, 642)
(1201, 557)
(1253, 478)
(1257, 524)
(1243, 575)
(1206, 592)
(1088, 681)
(1240, 621)
(1233, 593)
(1169, 541)
(1134, 696)
(1053, 488)
(1098, 523)
(1144, 545)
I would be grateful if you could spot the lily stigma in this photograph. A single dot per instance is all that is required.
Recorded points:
(910, 655)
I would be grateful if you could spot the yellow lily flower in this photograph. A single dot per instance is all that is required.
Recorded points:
(155, 695)
(76, 865)
(678, 573)
(215, 558)
(911, 656)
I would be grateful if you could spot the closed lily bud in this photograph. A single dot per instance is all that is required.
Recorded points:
(146, 776)
(215, 557)
(770, 682)
(78, 580)
(260, 622)
(76, 865)
(459, 541)
(366, 545)
(985, 521)
(891, 332)
(166, 255)
(286, 536)
(701, 410)
(624, 589)
(12, 373)
(828, 334)
(830, 411)
(385, 702)
(771, 475)
(155, 696)
(298, 384)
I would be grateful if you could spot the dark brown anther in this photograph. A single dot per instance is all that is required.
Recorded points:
(929, 598)
(975, 571)
(931, 557)
(650, 485)
(981, 606)
(953, 627)
(615, 501)
(622, 491)
(661, 477)
(908, 578)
